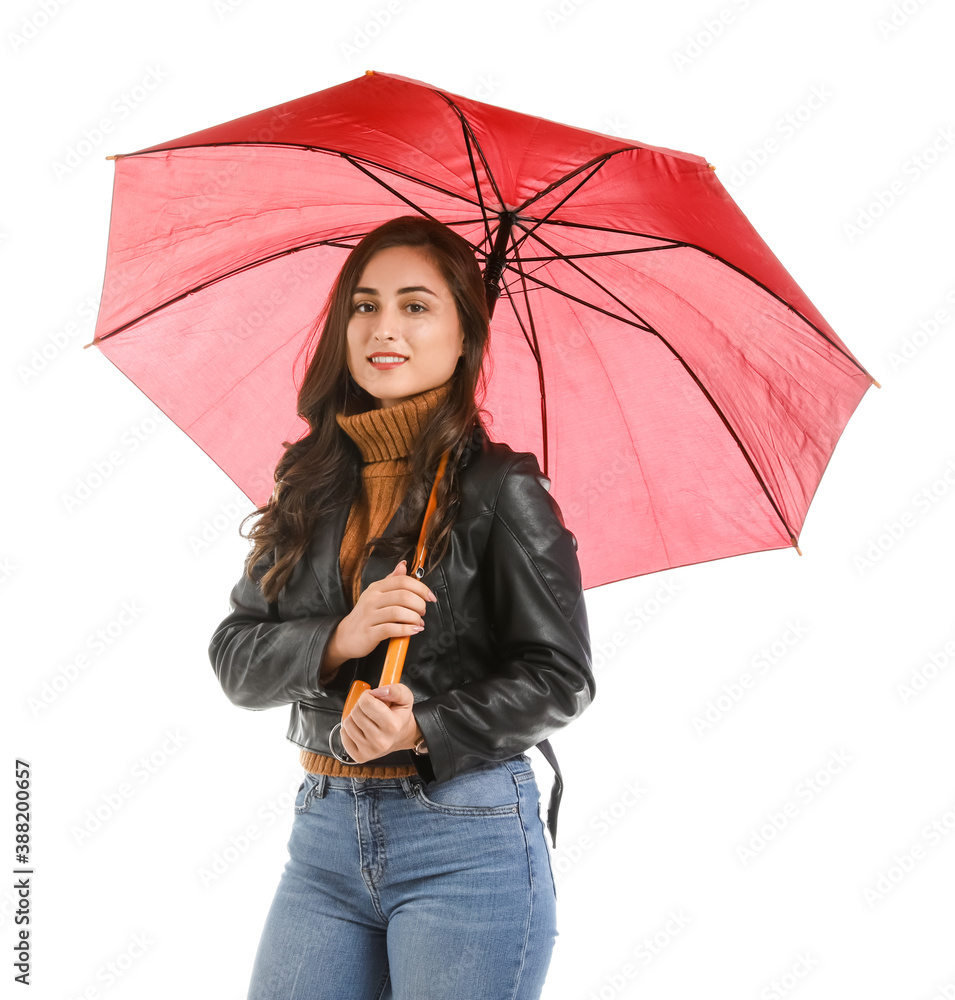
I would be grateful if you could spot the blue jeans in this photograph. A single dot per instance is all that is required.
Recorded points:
(398, 890)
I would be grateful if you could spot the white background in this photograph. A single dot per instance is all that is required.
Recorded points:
(854, 193)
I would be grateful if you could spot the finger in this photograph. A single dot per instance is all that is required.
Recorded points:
(423, 591)
(382, 721)
(405, 614)
(366, 740)
(352, 748)
(361, 723)
(395, 695)
(369, 737)
(409, 586)
(374, 713)
(416, 588)
(411, 599)
(357, 726)
(396, 614)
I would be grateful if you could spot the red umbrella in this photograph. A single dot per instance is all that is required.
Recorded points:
(678, 387)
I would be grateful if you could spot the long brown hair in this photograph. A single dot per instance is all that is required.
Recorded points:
(322, 471)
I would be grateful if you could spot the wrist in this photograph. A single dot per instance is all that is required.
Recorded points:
(418, 744)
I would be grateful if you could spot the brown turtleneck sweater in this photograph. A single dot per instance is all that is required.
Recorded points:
(385, 437)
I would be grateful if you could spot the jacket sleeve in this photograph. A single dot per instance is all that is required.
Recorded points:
(542, 678)
(261, 661)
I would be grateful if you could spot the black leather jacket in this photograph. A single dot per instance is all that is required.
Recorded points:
(504, 659)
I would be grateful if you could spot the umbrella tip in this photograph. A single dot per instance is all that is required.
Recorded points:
(369, 72)
(873, 381)
(712, 166)
(796, 547)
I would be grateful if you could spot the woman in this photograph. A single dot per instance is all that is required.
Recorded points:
(418, 867)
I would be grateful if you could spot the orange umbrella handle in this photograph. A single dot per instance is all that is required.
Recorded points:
(398, 646)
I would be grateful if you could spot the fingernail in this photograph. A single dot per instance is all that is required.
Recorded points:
(431, 596)
(417, 628)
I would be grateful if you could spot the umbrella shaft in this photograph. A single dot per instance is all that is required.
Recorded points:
(495, 263)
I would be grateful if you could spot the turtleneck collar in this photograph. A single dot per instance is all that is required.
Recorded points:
(391, 431)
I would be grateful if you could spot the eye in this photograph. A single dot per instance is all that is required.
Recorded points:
(416, 306)
(358, 306)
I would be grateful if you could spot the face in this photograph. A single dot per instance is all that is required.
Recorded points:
(402, 306)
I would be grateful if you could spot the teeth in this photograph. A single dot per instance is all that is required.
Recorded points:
(383, 360)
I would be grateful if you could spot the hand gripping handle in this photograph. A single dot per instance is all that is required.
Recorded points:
(398, 645)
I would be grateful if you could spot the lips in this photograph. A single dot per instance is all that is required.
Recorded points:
(382, 361)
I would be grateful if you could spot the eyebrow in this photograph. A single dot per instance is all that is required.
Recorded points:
(401, 291)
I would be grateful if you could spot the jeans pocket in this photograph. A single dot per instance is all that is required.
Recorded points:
(487, 790)
(306, 792)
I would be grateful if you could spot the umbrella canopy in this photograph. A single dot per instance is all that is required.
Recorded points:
(679, 389)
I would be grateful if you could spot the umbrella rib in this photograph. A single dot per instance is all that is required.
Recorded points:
(539, 222)
(535, 351)
(619, 232)
(336, 242)
(636, 452)
(600, 253)
(598, 160)
(388, 187)
(719, 412)
(350, 157)
(583, 302)
(471, 143)
(541, 264)
(469, 133)
(580, 270)
(676, 244)
(610, 229)
(228, 274)
(355, 160)
(477, 185)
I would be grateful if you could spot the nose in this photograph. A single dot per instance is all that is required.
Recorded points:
(384, 324)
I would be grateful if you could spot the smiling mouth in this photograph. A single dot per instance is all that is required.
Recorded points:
(386, 360)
